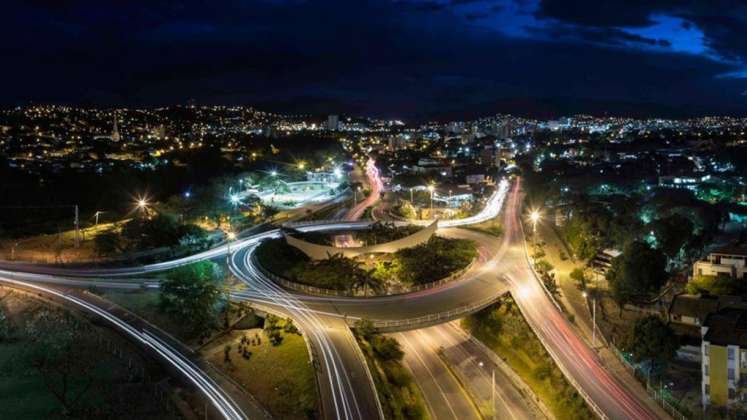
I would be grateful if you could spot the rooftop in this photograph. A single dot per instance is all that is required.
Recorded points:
(727, 326)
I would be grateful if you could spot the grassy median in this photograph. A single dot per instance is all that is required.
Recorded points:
(400, 397)
(502, 328)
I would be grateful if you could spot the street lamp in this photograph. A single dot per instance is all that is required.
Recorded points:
(96, 215)
(534, 217)
(593, 318)
(431, 188)
(231, 237)
(142, 205)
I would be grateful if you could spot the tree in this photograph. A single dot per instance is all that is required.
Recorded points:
(189, 295)
(387, 348)
(578, 275)
(651, 340)
(637, 273)
(191, 234)
(715, 285)
(161, 230)
(57, 346)
(107, 243)
(364, 329)
(672, 233)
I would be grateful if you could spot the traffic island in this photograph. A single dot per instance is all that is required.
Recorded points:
(429, 264)
(268, 357)
(400, 396)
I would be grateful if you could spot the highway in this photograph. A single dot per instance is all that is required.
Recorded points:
(456, 376)
(505, 258)
(372, 172)
(443, 393)
(346, 386)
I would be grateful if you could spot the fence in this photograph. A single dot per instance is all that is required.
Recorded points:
(658, 395)
(430, 319)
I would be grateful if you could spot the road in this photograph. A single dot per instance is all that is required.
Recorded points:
(445, 362)
(347, 391)
(372, 172)
(610, 396)
(444, 396)
(146, 336)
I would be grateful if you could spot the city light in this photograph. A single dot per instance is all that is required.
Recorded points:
(141, 203)
(534, 216)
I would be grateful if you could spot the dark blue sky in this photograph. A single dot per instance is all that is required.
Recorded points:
(412, 59)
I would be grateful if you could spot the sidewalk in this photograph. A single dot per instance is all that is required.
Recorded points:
(576, 305)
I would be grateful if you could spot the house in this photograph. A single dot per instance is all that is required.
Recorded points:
(724, 357)
(728, 261)
(602, 262)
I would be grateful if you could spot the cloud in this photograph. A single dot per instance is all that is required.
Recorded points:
(407, 59)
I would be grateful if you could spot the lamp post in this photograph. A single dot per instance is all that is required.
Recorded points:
(142, 205)
(593, 319)
(431, 188)
(534, 216)
(231, 237)
(96, 215)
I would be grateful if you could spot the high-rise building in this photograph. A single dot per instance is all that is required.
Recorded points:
(333, 122)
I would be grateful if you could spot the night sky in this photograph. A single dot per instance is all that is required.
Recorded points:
(410, 59)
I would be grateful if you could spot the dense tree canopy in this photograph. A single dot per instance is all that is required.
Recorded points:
(638, 273)
(189, 294)
(652, 340)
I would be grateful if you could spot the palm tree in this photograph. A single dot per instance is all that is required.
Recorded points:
(366, 280)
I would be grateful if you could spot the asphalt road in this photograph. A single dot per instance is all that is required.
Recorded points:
(444, 396)
(607, 394)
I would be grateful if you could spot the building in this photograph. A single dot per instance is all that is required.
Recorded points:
(333, 122)
(729, 261)
(687, 182)
(724, 358)
(602, 262)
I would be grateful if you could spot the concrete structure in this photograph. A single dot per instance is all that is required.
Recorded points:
(728, 261)
(320, 252)
(724, 358)
(687, 182)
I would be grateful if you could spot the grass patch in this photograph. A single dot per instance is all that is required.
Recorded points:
(52, 365)
(280, 376)
(502, 328)
(400, 397)
(145, 304)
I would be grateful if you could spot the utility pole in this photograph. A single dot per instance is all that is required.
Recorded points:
(492, 395)
(77, 228)
(594, 321)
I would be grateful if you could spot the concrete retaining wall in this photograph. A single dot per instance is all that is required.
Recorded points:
(320, 252)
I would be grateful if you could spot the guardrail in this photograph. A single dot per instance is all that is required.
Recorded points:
(318, 291)
(430, 319)
(594, 407)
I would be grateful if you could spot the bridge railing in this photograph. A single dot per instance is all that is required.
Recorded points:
(430, 319)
